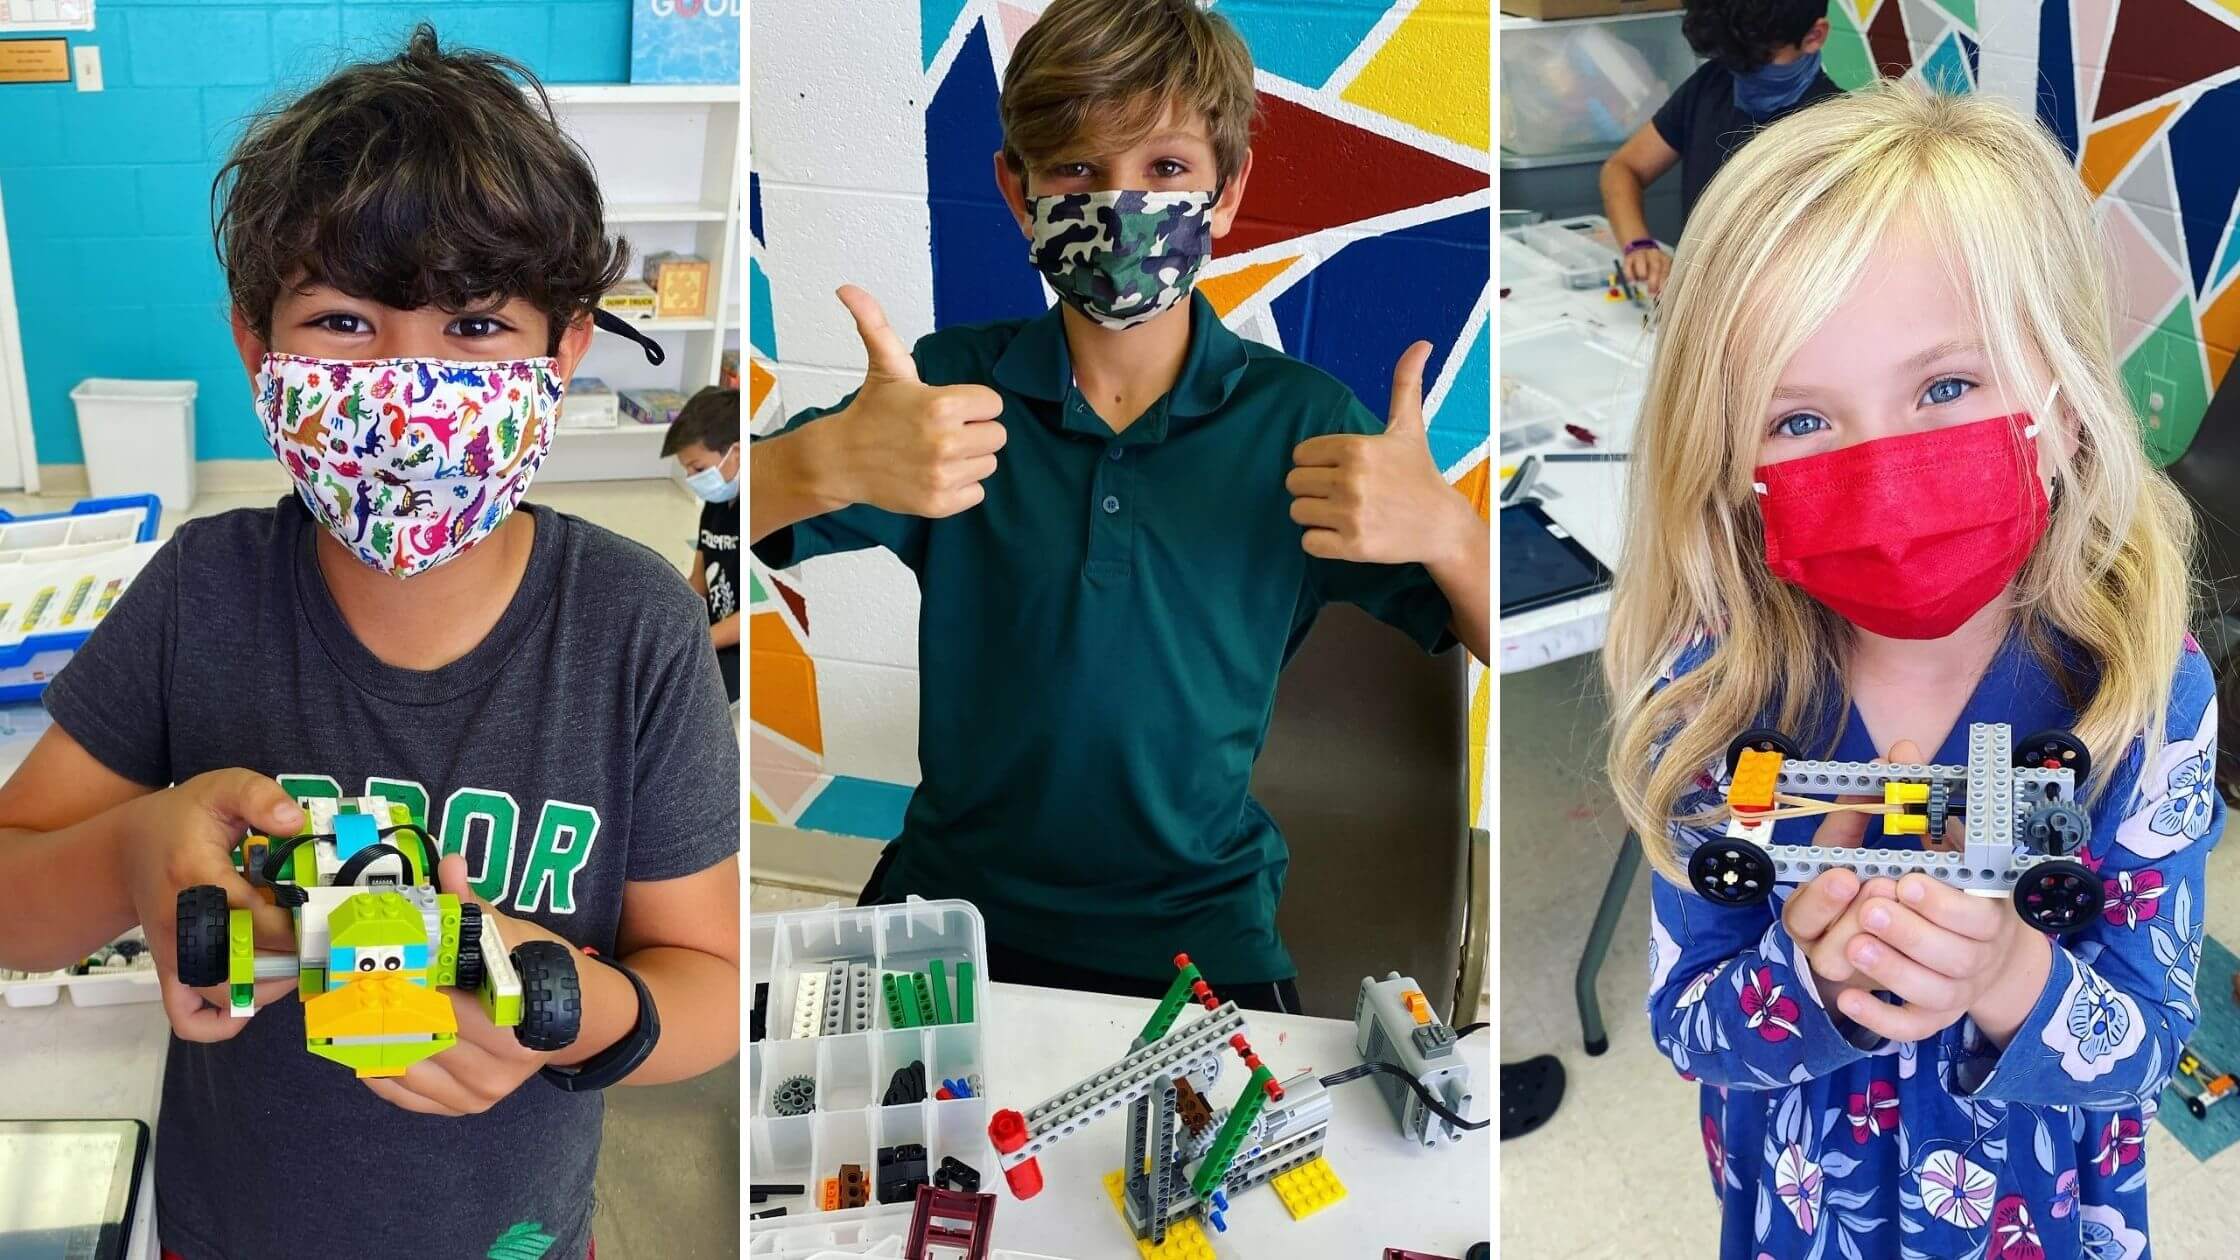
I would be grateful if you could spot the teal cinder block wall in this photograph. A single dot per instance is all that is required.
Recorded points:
(107, 193)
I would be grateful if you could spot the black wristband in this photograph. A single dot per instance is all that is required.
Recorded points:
(623, 1057)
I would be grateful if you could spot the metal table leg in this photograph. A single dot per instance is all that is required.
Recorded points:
(1598, 942)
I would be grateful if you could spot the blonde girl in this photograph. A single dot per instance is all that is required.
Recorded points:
(1886, 485)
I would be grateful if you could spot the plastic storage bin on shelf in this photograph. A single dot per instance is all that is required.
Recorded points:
(849, 1073)
(138, 436)
(1576, 250)
(59, 576)
(1573, 91)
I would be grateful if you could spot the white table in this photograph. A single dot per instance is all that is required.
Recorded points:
(1398, 1194)
(1589, 498)
(65, 1062)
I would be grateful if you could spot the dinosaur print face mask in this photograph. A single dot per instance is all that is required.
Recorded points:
(408, 462)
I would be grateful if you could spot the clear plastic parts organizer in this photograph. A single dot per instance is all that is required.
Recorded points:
(850, 1071)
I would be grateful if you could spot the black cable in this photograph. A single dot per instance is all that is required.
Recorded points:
(276, 857)
(1467, 1029)
(1431, 1104)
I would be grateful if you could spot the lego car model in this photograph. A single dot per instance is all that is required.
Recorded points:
(375, 942)
(2019, 804)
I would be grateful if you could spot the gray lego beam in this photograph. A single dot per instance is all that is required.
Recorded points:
(1096, 1095)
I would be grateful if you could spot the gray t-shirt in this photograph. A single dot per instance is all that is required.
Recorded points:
(585, 743)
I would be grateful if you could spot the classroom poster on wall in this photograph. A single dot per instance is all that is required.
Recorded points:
(19, 17)
(685, 41)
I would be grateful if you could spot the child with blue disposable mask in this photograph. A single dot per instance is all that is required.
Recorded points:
(704, 439)
(1761, 64)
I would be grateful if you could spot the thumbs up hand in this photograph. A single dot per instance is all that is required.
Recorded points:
(1378, 498)
(904, 445)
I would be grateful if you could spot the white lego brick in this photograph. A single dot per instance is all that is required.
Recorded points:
(497, 961)
(808, 1004)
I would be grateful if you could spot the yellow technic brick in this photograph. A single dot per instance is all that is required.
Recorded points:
(1756, 775)
(1309, 1188)
(1905, 793)
(1905, 824)
(1186, 1240)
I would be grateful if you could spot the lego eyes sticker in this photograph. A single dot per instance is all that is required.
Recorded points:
(1121, 257)
(408, 462)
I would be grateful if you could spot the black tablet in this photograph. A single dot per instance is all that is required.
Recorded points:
(71, 1187)
(1541, 563)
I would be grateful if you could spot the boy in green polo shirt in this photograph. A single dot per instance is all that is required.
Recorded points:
(1123, 520)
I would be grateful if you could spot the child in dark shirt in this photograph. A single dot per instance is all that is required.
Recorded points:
(1761, 63)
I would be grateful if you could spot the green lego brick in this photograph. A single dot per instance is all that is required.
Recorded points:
(900, 1013)
(1170, 1006)
(311, 982)
(964, 993)
(241, 948)
(445, 974)
(924, 991)
(242, 995)
(940, 984)
(505, 1011)
(1225, 1143)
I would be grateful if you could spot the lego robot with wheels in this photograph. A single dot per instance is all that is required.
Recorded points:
(2022, 821)
(375, 941)
(2210, 1085)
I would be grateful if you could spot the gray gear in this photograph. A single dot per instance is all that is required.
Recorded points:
(1940, 807)
(794, 1096)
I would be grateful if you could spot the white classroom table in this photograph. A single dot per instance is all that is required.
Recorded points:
(1589, 498)
(65, 1062)
(1398, 1194)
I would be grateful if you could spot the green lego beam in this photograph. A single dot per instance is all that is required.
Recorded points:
(901, 1013)
(939, 976)
(1170, 1006)
(1224, 1149)
(964, 993)
(924, 995)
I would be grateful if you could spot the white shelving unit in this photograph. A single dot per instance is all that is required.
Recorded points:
(668, 164)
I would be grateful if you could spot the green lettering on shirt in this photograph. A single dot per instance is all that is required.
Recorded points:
(501, 819)
(401, 791)
(318, 787)
(565, 834)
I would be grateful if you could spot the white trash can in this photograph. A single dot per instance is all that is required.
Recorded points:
(139, 438)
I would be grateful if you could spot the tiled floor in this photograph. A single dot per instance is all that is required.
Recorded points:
(1618, 1173)
(668, 1185)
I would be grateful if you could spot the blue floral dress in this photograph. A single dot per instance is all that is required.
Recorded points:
(1825, 1141)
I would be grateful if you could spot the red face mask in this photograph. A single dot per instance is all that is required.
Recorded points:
(1909, 536)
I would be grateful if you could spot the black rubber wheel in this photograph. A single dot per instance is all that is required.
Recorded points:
(2199, 1108)
(2059, 830)
(551, 996)
(2054, 750)
(202, 936)
(1530, 1092)
(470, 972)
(1731, 872)
(2058, 896)
(1762, 738)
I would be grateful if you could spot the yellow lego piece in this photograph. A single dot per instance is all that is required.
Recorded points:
(1905, 824)
(1186, 1239)
(1309, 1188)
(1757, 774)
(1905, 793)
(379, 1006)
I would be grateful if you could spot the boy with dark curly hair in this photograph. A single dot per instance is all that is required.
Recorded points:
(414, 252)
(1761, 63)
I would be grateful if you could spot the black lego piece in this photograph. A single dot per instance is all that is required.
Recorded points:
(758, 1021)
(902, 1169)
(955, 1174)
(907, 1085)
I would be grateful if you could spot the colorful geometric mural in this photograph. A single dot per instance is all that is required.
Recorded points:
(1365, 227)
(2142, 95)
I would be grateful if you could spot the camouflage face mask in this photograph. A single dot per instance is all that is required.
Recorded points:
(1121, 257)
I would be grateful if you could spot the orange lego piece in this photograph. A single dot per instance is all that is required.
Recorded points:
(1417, 1006)
(829, 1198)
(1756, 776)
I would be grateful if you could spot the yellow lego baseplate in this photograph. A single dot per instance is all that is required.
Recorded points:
(1186, 1240)
(1309, 1188)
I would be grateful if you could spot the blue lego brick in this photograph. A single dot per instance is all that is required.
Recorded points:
(353, 832)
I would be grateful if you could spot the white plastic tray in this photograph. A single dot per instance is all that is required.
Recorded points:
(852, 1070)
(30, 988)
